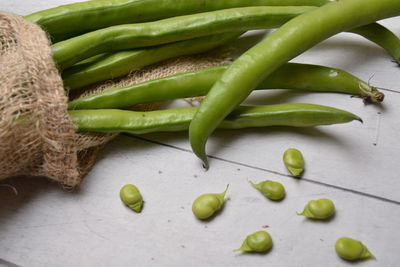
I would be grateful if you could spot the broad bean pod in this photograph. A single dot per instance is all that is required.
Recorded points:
(131, 36)
(110, 66)
(75, 19)
(382, 36)
(197, 83)
(106, 66)
(290, 40)
(178, 119)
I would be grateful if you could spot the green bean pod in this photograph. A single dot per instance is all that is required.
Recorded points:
(75, 19)
(178, 119)
(111, 66)
(197, 83)
(131, 36)
(382, 36)
(290, 40)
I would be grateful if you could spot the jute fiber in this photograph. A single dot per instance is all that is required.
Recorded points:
(37, 136)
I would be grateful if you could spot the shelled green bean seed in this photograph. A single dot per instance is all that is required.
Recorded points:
(352, 250)
(270, 189)
(294, 161)
(320, 209)
(131, 197)
(259, 241)
(206, 205)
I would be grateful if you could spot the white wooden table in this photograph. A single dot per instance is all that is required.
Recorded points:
(356, 165)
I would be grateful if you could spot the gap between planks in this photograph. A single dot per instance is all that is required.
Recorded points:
(275, 172)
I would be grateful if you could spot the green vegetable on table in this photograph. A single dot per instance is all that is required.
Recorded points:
(114, 65)
(320, 209)
(294, 161)
(206, 205)
(352, 250)
(178, 119)
(270, 189)
(290, 40)
(131, 197)
(74, 19)
(303, 77)
(260, 241)
(139, 35)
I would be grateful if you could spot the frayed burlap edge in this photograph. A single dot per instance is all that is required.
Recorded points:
(37, 137)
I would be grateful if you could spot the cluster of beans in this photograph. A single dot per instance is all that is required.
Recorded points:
(95, 41)
(99, 40)
(207, 205)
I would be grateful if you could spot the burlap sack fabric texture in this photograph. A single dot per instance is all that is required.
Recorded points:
(37, 136)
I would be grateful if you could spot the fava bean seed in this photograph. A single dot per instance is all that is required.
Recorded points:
(320, 209)
(293, 160)
(207, 204)
(259, 241)
(352, 250)
(270, 189)
(131, 196)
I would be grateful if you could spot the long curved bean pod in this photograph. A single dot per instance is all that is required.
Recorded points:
(130, 36)
(288, 41)
(178, 119)
(115, 65)
(74, 19)
(382, 36)
(198, 83)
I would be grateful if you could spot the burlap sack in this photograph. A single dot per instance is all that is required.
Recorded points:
(37, 137)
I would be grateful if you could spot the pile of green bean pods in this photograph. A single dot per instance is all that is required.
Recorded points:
(95, 41)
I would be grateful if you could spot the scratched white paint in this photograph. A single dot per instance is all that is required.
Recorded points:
(44, 226)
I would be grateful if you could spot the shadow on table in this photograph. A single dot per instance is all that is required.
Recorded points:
(17, 192)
